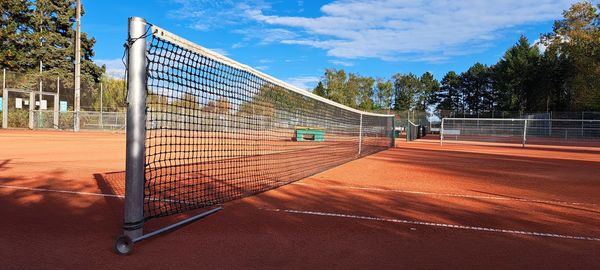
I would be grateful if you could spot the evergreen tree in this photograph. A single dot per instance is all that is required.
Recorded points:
(476, 88)
(52, 23)
(43, 30)
(14, 35)
(405, 88)
(450, 94)
(428, 92)
(320, 90)
(516, 76)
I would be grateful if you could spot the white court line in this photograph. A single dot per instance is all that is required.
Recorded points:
(83, 193)
(327, 186)
(63, 191)
(432, 224)
(315, 213)
(449, 194)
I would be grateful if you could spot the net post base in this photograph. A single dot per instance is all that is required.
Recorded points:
(124, 243)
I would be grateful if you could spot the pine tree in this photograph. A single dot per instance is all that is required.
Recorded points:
(53, 40)
(516, 76)
(43, 30)
(405, 88)
(14, 35)
(320, 90)
(449, 96)
(428, 92)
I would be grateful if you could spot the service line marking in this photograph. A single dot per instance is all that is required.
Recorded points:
(433, 224)
(448, 194)
(83, 193)
(63, 191)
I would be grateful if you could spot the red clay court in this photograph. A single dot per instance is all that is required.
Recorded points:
(417, 206)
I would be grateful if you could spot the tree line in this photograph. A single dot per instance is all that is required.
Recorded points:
(560, 73)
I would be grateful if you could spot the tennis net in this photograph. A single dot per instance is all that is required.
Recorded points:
(214, 130)
(414, 131)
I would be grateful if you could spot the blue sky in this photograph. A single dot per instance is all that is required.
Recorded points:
(296, 40)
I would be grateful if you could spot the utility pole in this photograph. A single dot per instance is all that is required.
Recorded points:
(4, 100)
(77, 65)
(41, 67)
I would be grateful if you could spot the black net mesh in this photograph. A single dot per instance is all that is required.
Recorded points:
(216, 131)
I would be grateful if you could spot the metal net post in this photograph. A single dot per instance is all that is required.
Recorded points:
(136, 119)
(360, 133)
(393, 133)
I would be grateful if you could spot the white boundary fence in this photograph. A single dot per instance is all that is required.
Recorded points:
(522, 131)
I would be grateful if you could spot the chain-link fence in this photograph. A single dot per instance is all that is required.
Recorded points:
(522, 131)
(404, 118)
(519, 115)
(87, 120)
(46, 101)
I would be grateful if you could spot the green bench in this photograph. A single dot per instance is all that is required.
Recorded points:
(310, 134)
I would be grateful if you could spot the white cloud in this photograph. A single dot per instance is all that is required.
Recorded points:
(262, 67)
(219, 51)
(210, 14)
(200, 26)
(390, 29)
(538, 42)
(341, 63)
(543, 44)
(304, 82)
(266, 36)
(114, 67)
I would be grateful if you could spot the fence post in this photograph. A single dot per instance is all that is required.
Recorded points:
(39, 109)
(551, 122)
(31, 108)
(407, 130)
(56, 104)
(525, 132)
(4, 100)
(55, 111)
(442, 133)
(582, 120)
(101, 117)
